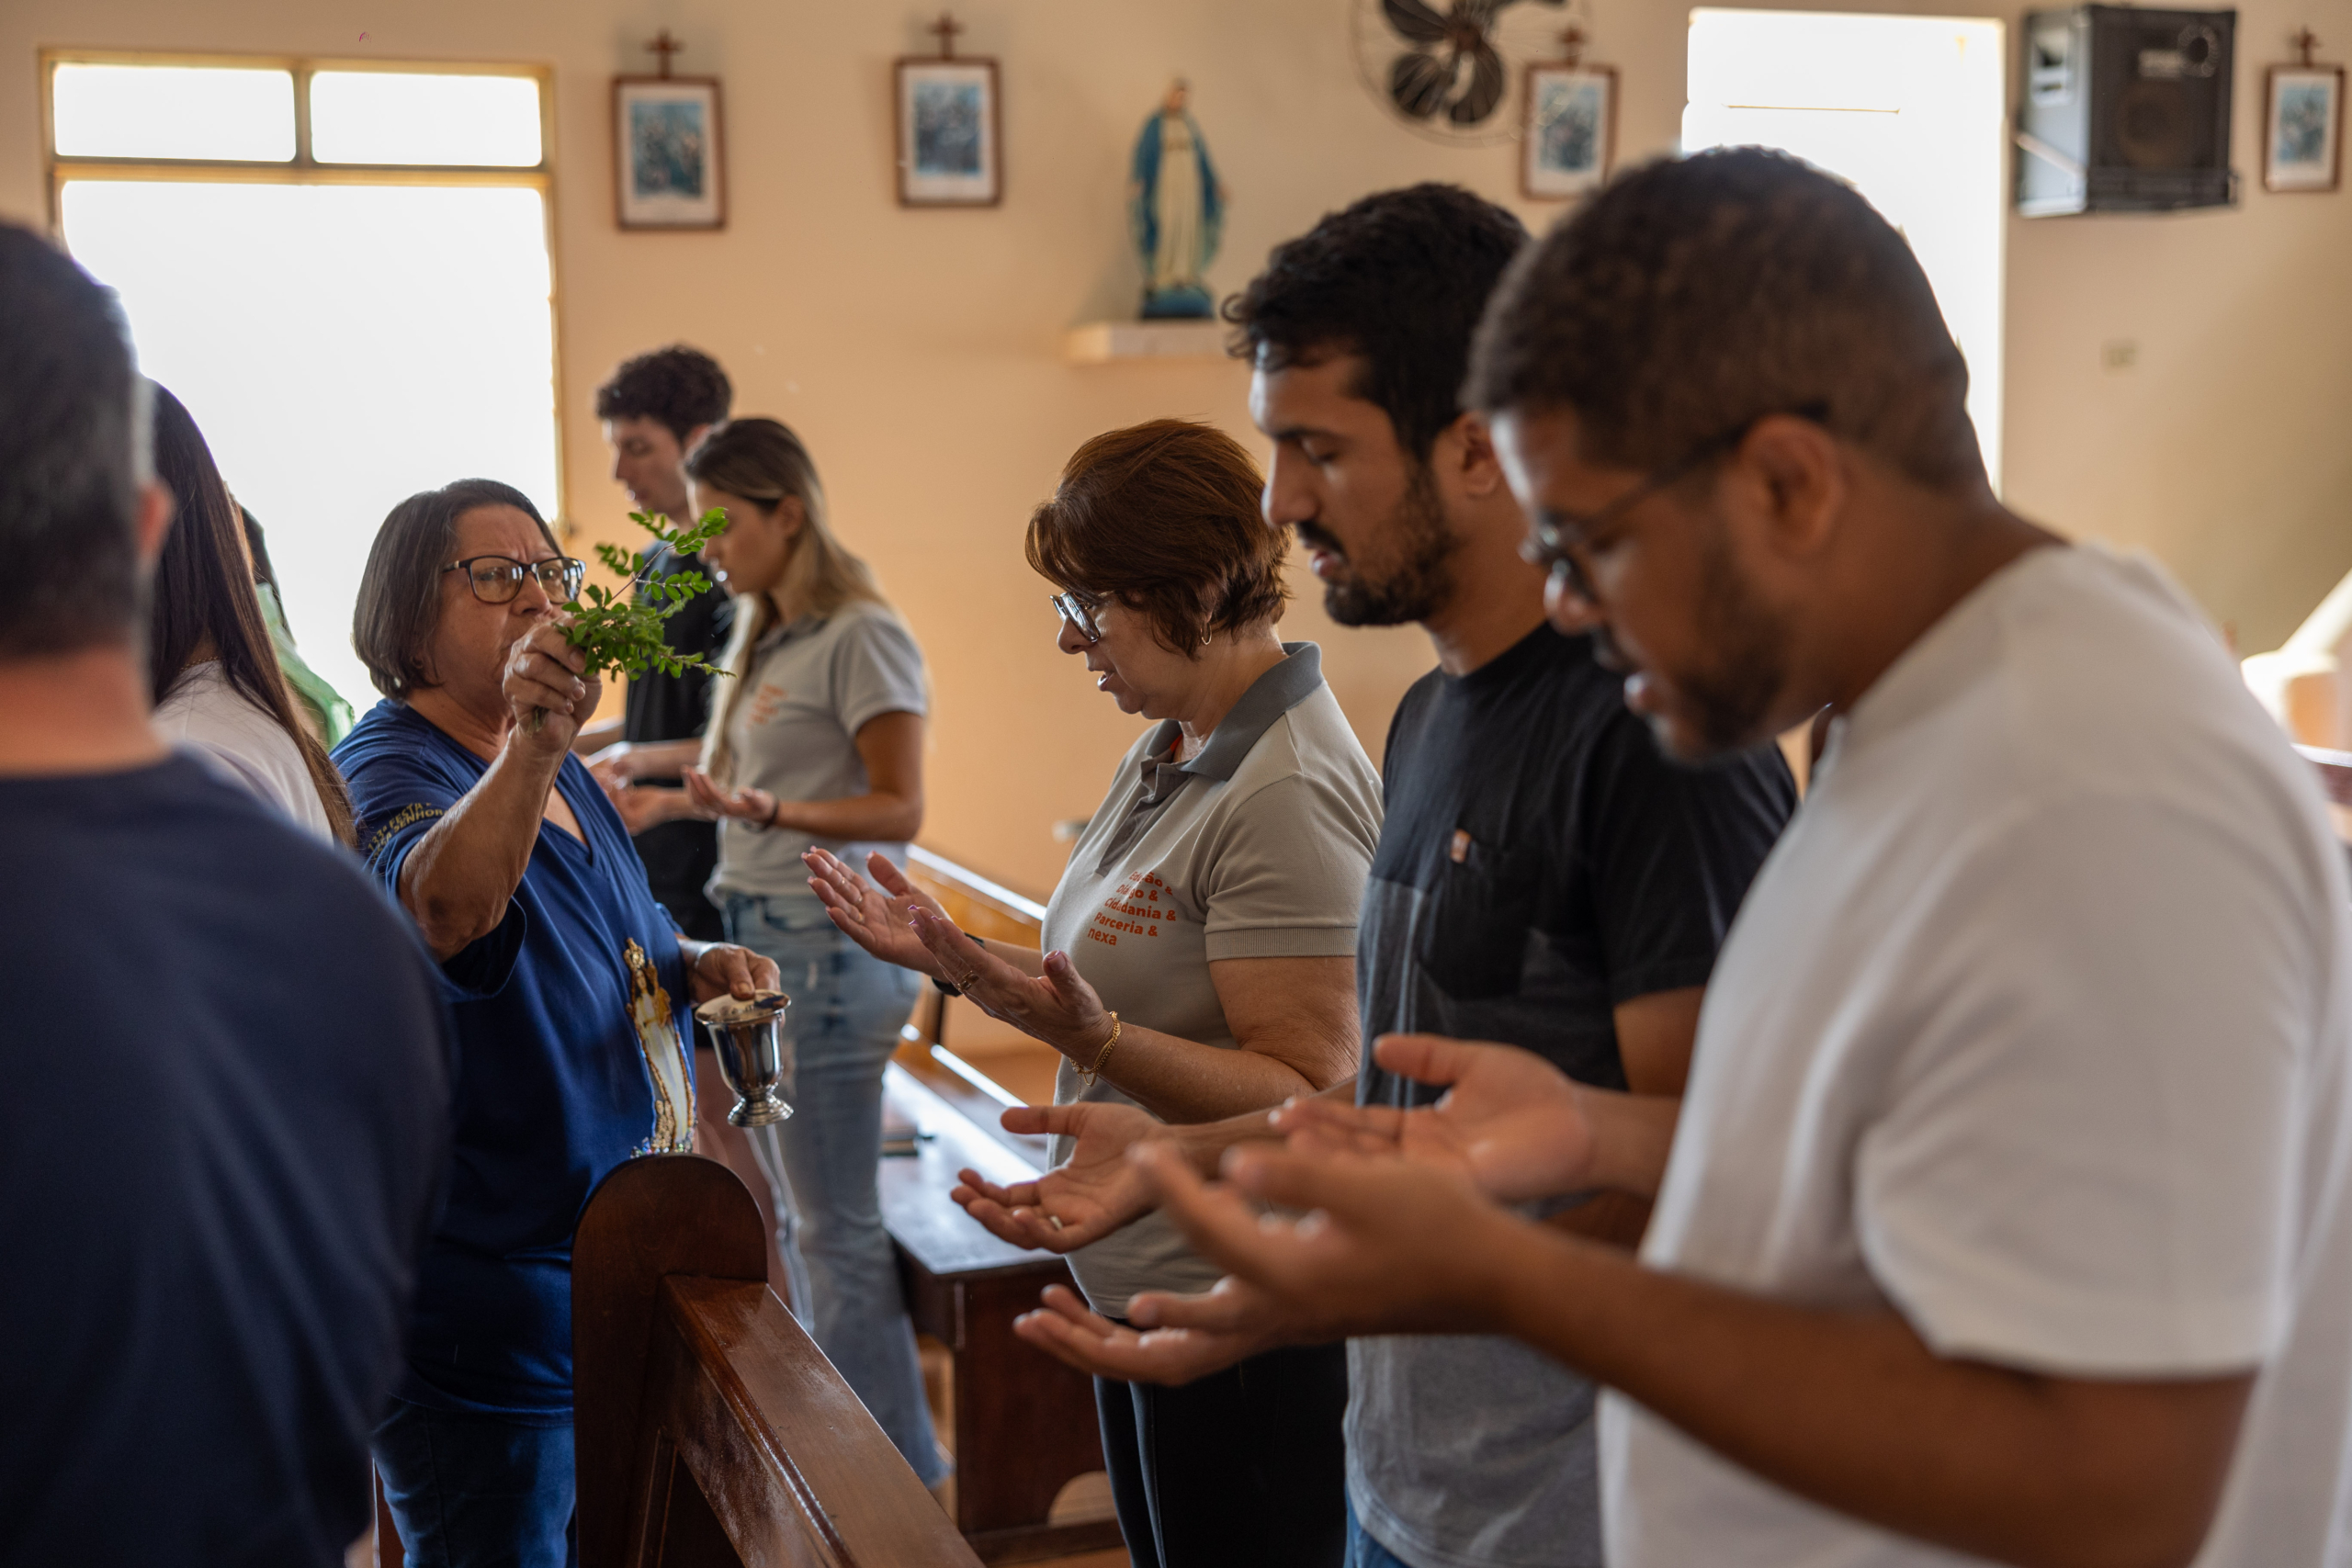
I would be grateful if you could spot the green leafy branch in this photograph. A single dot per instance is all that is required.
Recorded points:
(625, 634)
(623, 631)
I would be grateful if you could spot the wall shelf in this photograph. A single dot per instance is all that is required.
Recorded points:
(1099, 343)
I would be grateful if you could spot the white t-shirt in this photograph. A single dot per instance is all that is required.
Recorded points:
(204, 714)
(2033, 1028)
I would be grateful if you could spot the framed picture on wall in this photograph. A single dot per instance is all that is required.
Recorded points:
(950, 149)
(1571, 130)
(2302, 138)
(668, 153)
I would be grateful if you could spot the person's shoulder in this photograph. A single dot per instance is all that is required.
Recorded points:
(388, 732)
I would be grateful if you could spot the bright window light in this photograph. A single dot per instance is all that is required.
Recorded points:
(1909, 110)
(174, 111)
(384, 117)
(342, 347)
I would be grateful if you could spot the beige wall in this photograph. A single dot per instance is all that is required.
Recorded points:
(918, 351)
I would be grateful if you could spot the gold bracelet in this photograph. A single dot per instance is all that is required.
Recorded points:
(1087, 1076)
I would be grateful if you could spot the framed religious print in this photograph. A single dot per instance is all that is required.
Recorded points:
(950, 150)
(1571, 130)
(668, 153)
(2302, 138)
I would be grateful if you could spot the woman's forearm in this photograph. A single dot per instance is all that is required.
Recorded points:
(873, 818)
(458, 881)
(658, 759)
(1182, 1080)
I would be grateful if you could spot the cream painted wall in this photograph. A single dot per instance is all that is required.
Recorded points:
(918, 351)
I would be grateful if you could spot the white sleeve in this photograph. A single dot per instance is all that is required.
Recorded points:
(2083, 1164)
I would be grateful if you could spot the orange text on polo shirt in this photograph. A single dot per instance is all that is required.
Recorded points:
(1136, 909)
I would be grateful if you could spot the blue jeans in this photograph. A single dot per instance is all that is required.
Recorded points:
(477, 1491)
(1365, 1553)
(846, 1011)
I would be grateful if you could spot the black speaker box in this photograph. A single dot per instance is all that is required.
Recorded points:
(2125, 110)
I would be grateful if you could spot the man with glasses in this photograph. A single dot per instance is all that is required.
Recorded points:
(2010, 1214)
(1544, 876)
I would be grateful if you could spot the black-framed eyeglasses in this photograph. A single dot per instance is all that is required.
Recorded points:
(495, 579)
(1562, 542)
(1080, 612)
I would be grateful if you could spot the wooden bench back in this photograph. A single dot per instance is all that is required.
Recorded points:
(709, 1431)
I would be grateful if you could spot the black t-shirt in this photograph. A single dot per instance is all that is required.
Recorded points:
(226, 1123)
(673, 707)
(680, 856)
(1542, 862)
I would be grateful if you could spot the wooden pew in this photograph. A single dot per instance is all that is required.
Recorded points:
(1026, 1424)
(709, 1431)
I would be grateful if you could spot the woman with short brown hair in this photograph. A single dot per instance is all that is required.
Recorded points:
(1198, 955)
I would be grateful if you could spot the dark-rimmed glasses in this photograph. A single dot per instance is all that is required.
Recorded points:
(495, 579)
(1562, 542)
(1080, 612)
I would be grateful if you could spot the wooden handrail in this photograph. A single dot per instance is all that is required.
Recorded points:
(709, 1432)
(983, 908)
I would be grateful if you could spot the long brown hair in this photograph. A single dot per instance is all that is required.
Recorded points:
(763, 462)
(204, 593)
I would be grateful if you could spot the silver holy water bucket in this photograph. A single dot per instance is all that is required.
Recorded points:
(753, 1053)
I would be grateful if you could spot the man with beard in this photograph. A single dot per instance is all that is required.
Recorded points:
(2010, 1215)
(1543, 877)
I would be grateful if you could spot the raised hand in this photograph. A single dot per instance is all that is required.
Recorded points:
(1510, 1122)
(1057, 1007)
(706, 800)
(875, 917)
(549, 687)
(1388, 1245)
(1235, 1322)
(1094, 1192)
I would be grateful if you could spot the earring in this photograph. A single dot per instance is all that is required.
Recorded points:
(1208, 640)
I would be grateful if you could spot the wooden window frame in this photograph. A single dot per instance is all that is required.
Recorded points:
(304, 169)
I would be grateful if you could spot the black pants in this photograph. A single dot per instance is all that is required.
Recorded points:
(1246, 1467)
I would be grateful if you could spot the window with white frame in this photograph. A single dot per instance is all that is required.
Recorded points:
(343, 269)
(1910, 111)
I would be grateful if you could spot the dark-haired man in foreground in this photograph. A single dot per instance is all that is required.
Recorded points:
(1544, 876)
(2011, 1212)
(208, 1268)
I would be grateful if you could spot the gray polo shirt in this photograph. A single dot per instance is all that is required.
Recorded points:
(1257, 848)
(813, 684)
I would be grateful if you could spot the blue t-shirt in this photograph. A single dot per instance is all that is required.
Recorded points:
(225, 1124)
(574, 1054)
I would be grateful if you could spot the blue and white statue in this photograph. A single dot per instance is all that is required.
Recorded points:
(1176, 208)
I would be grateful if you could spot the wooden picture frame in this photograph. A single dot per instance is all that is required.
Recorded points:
(2303, 128)
(668, 153)
(1570, 136)
(949, 133)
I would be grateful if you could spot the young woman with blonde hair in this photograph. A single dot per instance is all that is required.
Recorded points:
(816, 742)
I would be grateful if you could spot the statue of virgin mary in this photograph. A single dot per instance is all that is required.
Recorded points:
(1177, 210)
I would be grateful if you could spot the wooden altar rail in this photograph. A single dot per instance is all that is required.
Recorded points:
(709, 1431)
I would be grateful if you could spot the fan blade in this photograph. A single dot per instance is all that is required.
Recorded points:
(1414, 20)
(1418, 83)
(1484, 93)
